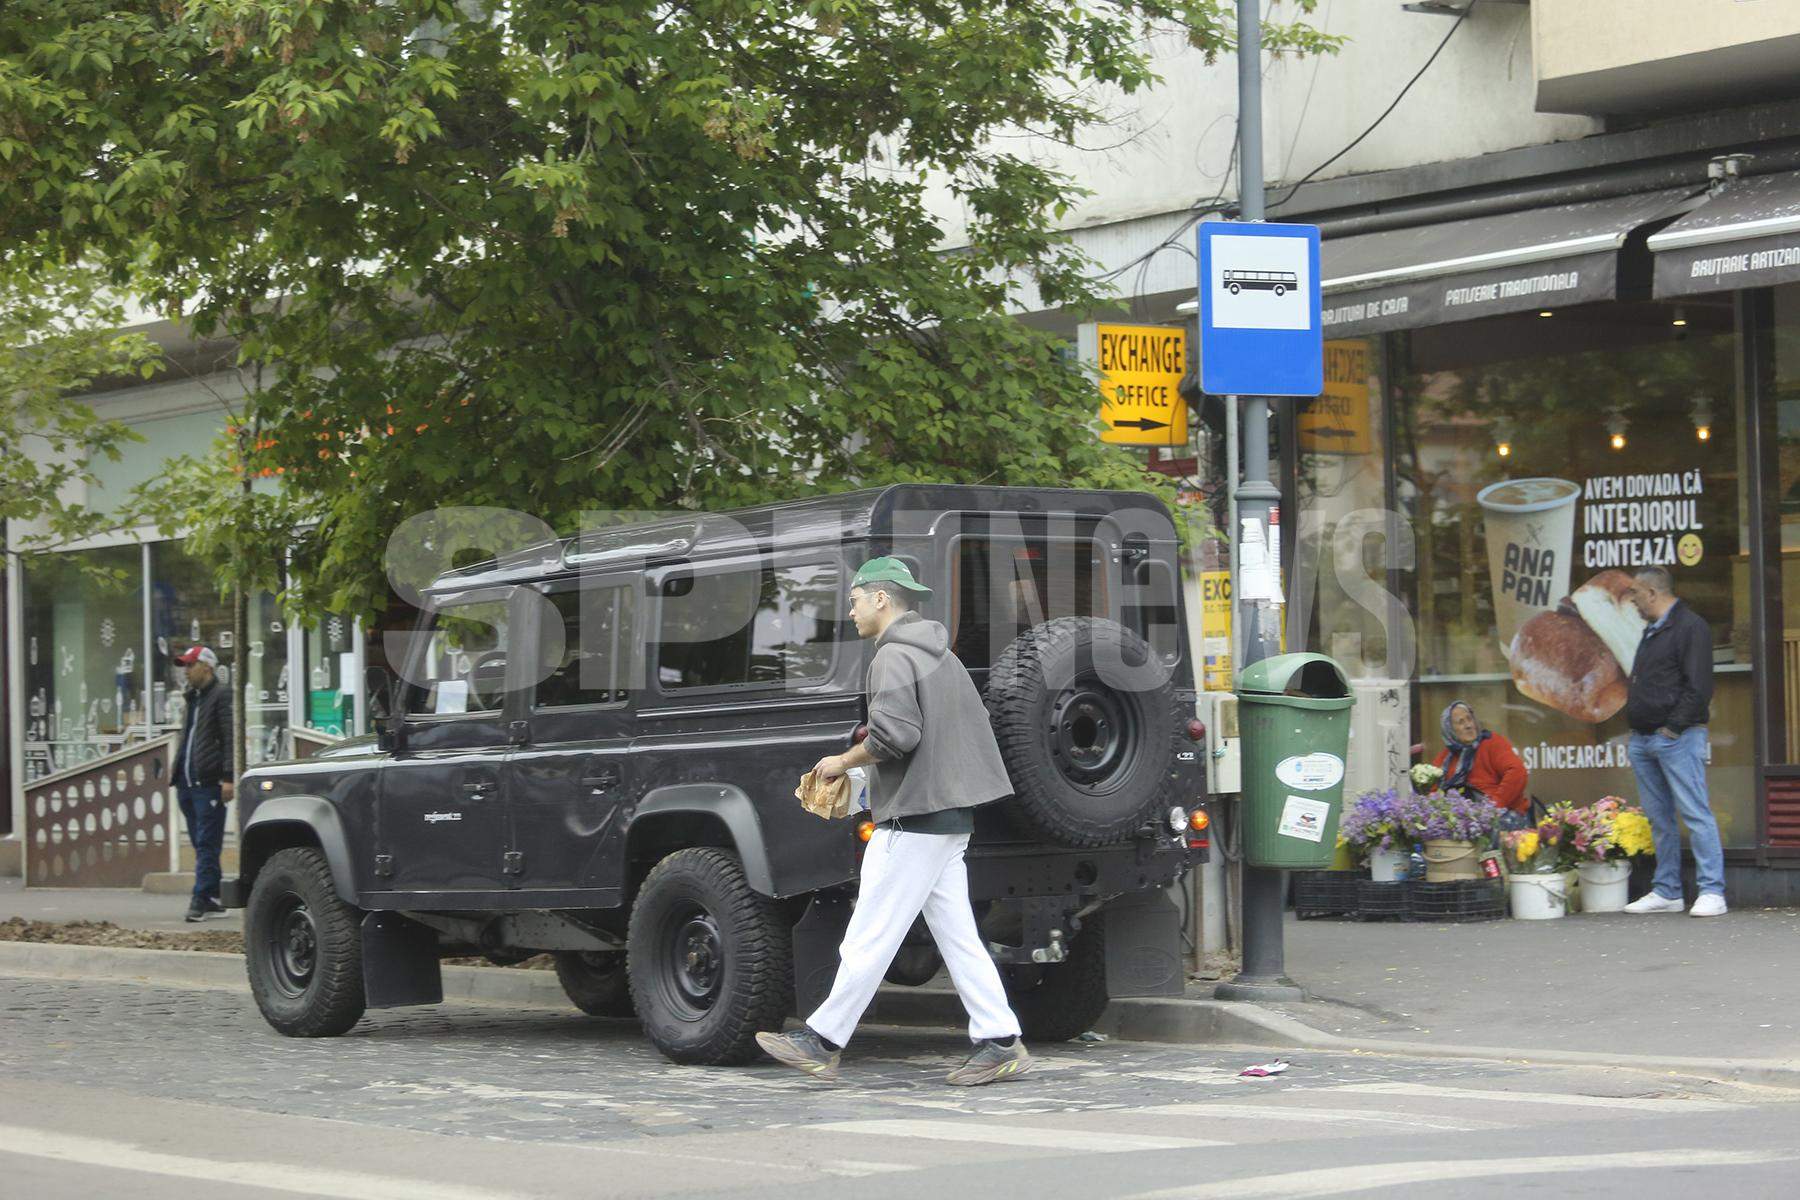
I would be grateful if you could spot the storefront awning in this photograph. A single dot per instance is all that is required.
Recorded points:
(1460, 270)
(1746, 236)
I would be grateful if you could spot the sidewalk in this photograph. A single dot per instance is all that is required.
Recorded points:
(1654, 987)
(1663, 985)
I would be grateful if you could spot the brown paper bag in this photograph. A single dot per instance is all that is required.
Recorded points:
(828, 798)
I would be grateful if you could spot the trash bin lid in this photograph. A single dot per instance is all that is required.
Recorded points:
(1313, 676)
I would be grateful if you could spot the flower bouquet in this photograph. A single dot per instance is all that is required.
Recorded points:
(1426, 776)
(1602, 838)
(1371, 828)
(1450, 827)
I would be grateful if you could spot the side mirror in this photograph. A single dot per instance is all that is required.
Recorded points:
(383, 692)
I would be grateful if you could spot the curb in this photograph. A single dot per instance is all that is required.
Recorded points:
(1169, 1020)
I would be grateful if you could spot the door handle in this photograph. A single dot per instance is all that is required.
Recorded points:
(480, 790)
(601, 778)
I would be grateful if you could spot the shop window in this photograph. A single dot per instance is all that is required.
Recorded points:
(774, 625)
(1540, 461)
(83, 656)
(1343, 543)
(330, 681)
(187, 608)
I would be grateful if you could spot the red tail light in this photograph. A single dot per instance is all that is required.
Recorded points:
(1195, 729)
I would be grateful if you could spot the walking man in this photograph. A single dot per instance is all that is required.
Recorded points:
(934, 759)
(1670, 702)
(203, 774)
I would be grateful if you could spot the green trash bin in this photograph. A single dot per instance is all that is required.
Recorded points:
(1294, 719)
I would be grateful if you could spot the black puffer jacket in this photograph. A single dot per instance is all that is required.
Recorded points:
(204, 757)
(1672, 677)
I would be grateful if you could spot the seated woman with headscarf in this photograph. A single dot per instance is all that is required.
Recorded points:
(1481, 761)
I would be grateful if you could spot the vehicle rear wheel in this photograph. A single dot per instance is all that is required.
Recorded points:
(303, 947)
(709, 959)
(1059, 1001)
(1085, 717)
(596, 982)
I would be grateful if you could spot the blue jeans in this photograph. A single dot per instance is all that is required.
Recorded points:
(1671, 775)
(204, 809)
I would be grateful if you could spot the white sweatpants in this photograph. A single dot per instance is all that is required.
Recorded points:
(904, 874)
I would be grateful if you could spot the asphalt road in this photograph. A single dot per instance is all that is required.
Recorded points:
(122, 1090)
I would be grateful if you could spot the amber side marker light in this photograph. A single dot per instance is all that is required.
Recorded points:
(1198, 820)
(865, 830)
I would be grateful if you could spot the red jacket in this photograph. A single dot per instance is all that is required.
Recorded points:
(1497, 773)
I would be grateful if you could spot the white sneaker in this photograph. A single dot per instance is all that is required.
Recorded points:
(1654, 903)
(1709, 904)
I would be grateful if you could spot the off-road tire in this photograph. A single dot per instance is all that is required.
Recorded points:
(747, 956)
(1074, 788)
(596, 986)
(303, 947)
(1059, 1001)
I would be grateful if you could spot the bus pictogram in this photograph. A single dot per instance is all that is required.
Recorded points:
(1278, 282)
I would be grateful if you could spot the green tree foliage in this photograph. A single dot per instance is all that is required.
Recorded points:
(57, 339)
(557, 256)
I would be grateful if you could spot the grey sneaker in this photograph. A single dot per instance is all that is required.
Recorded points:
(801, 1050)
(992, 1062)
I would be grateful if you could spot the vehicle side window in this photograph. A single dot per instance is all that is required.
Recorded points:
(1005, 586)
(465, 668)
(1155, 615)
(598, 626)
(795, 620)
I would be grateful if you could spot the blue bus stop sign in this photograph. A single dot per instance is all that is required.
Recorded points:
(1259, 310)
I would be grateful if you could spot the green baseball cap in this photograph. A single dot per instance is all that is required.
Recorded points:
(888, 569)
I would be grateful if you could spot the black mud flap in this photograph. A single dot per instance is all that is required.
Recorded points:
(400, 962)
(816, 941)
(1143, 946)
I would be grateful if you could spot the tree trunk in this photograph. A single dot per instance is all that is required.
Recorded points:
(240, 678)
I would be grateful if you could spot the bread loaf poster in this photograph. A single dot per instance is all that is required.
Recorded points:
(1561, 554)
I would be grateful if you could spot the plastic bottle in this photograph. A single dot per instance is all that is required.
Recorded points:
(1416, 869)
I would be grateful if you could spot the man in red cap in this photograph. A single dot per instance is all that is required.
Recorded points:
(203, 781)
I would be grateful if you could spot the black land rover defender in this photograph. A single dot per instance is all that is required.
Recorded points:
(597, 754)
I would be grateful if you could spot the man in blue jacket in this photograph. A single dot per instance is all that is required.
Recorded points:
(1669, 705)
(203, 782)
(934, 758)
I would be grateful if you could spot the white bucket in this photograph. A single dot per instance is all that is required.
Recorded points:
(1604, 886)
(1538, 897)
(1385, 866)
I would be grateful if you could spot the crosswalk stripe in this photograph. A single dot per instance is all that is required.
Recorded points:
(1344, 1179)
(1433, 1092)
(275, 1177)
(1016, 1135)
(1311, 1116)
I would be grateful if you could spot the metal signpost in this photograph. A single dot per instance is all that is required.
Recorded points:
(1260, 335)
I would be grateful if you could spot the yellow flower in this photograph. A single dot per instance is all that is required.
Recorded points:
(1632, 833)
(1527, 847)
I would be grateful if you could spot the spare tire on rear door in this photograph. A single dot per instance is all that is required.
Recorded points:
(1085, 716)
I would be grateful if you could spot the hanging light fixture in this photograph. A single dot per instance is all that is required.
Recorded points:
(1616, 425)
(1503, 439)
(1703, 418)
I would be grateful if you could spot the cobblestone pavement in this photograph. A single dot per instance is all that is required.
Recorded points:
(546, 1078)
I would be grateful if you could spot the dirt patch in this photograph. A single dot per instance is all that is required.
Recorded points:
(105, 933)
(216, 941)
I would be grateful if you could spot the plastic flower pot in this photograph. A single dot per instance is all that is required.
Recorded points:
(1538, 897)
(1447, 861)
(1385, 866)
(1605, 886)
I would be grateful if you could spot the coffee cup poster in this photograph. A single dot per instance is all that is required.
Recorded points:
(1561, 554)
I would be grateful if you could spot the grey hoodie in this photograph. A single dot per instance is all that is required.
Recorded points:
(928, 730)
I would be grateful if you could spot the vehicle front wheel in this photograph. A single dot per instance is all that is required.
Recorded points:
(1059, 1001)
(709, 959)
(596, 982)
(303, 947)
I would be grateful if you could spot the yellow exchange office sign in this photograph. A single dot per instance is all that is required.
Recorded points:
(1140, 368)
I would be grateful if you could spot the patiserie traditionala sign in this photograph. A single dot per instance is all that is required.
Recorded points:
(1140, 369)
